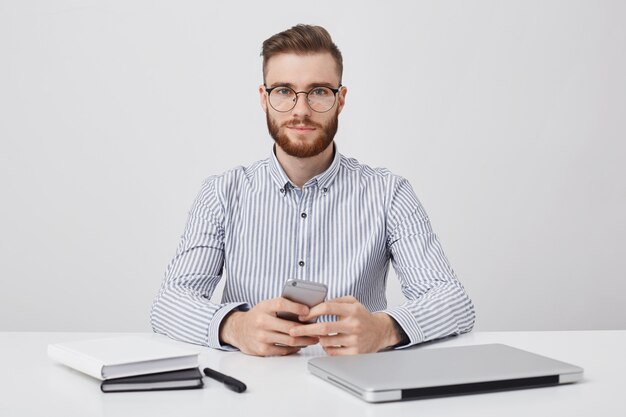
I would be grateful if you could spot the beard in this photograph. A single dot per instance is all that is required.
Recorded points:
(299, 149)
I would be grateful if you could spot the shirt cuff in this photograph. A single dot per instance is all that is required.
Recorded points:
(213, 339)
(405, 319)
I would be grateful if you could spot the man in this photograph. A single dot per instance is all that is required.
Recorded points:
(308, 213)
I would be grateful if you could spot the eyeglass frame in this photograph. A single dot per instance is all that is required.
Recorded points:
(334, 90)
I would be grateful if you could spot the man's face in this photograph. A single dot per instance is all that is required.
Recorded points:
(302, 132)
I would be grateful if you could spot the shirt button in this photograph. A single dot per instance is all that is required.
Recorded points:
(303, 215)
(282, 190)
(301, 263)
(324, 189)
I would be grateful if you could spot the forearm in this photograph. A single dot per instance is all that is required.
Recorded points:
(441, 311)
(437, 304)
(391, 333)
(228, 328)
(183, 309)
(184, 315)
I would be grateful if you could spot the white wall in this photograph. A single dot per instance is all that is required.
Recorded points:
(507, 117)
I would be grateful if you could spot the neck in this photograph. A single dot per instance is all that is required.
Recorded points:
(300, 170)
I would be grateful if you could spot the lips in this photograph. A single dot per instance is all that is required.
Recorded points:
(301, 124)
(302, 127)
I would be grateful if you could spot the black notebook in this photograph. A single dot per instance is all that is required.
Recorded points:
(183, 379)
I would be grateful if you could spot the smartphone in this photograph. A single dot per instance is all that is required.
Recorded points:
(302, 292)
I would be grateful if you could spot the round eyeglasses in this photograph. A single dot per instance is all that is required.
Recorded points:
(319, 99)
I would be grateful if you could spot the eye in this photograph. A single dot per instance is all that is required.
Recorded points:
(282, 91)
(320, 92)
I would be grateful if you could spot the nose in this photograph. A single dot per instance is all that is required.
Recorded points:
(302, 107)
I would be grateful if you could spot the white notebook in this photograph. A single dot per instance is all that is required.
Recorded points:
(117, 357)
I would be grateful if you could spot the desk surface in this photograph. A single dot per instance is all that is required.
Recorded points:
(33, 385)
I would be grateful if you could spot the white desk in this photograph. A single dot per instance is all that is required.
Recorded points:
(33, 385)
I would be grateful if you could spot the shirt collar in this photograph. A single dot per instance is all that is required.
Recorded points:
(323, 180)
(278, 174)
(326, 178)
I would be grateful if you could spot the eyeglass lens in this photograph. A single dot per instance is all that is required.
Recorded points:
(320, 99)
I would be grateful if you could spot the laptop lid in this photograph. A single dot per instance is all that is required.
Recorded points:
(426, 373)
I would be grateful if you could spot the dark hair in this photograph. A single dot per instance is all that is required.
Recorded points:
(301, 39)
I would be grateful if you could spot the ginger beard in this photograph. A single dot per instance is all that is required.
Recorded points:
(298, 148)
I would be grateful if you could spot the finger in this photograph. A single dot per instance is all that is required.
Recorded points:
(281, 350)
(282, 304)
(277, 331)
(319, 329)
(286, 340)
(328, 308)
(340, 351)
(273, 350)
(340, 340)
(281, 325)
(345, 299)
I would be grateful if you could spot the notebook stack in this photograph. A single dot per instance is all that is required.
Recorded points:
(132, 363)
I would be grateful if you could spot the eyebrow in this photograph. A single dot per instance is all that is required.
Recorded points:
(308, 86)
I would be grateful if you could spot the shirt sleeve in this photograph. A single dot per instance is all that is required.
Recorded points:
(182, 309)
(437, 304)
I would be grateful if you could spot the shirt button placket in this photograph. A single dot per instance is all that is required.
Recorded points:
(303, 231)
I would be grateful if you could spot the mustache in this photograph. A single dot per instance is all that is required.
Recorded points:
(302, 122)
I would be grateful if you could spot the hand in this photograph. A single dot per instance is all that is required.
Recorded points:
(356, 331)
(258, 330)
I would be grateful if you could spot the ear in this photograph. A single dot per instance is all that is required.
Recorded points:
(263, 97)
(341, 96)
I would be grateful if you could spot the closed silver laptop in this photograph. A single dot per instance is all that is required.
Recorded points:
(416, 373)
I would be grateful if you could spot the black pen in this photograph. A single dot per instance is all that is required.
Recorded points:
(230, 382)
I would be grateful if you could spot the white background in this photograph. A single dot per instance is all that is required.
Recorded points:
(509, 119)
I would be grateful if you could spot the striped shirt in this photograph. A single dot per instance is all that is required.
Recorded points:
(256, 229)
